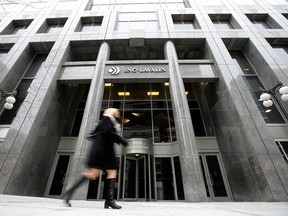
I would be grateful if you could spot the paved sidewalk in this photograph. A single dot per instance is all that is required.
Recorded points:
(35, 206)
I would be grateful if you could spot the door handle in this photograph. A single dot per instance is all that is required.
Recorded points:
(211, 179)
(63, 179)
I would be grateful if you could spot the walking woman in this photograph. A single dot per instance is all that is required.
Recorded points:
(102, 156)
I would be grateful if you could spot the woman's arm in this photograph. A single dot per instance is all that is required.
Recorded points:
(107, 126)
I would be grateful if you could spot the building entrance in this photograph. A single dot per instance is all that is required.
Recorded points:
(57, 178)
(136, 178)
(216, 184)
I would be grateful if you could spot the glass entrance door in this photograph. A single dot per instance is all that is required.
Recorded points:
(216, 184)
(136, 178)
(57, 178)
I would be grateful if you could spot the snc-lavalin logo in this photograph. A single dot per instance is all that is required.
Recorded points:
(114, 71)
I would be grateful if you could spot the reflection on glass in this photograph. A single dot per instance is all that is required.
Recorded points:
(164, 179)
(195, 111)
(60, 172)
(216, 176)
(261, 24)
(222, 24)
(253, 84)
(282, 51)
(178, 176)
(146, 110)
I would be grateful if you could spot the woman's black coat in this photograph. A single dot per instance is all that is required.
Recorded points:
(102, 155)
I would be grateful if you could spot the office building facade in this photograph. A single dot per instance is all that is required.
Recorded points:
(186, 76)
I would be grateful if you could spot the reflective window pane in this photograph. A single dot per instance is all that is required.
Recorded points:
(282, 51)
(261, 24)
(54, 28)
(146, 110)
(222, 24)
(164, 179)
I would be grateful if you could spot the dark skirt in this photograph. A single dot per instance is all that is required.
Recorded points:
(101, 155)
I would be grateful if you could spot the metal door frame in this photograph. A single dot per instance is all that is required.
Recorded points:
(147, 174)
(52, 173)
(210, 181)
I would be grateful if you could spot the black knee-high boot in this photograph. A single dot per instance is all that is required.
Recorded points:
(110, 183)
(68, 194)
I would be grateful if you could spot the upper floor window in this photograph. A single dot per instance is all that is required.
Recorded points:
(282, 51)
(134, 6)
(52, 25)
(224, 21)
(283, 146)
(16, 27)
(263, 21)
(285, 15)
(7, 116)
(129, 21)
(90, 24)
(253, 83)
(187, 22)
(4, 49)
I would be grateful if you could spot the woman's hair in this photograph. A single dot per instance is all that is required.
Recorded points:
(111, 111)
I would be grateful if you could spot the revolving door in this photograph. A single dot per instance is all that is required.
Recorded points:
(136, 172)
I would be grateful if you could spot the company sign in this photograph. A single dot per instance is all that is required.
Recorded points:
(114, 70)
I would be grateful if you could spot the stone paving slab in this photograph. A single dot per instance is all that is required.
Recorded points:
(37, 206)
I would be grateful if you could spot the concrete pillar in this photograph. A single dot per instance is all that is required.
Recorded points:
(90, 117)
(194, 187)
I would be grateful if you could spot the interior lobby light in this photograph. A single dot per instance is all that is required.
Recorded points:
(108, 84)
(153, 93)
(166, 83)
(125, 120)
(137, 114)
(186, 92)
(123, 93)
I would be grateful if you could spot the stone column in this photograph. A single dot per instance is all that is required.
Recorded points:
(194, 187)
(90, 117)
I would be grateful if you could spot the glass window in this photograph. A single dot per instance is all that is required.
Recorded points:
(54, 28)
(195, 112)
(91, 26)
(128, 21)
(282, 51)
(261, 24)
(4, 49)
(145, 110)
(7, 116)
(18, 29)
(164, 179)
(253, 84)
(283, 146)
(270, 115)
(222, 24)
(184, 24)
(178, 176)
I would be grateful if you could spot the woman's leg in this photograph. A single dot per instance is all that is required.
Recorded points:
(111, 174)
(110, 183)
(90, 173)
